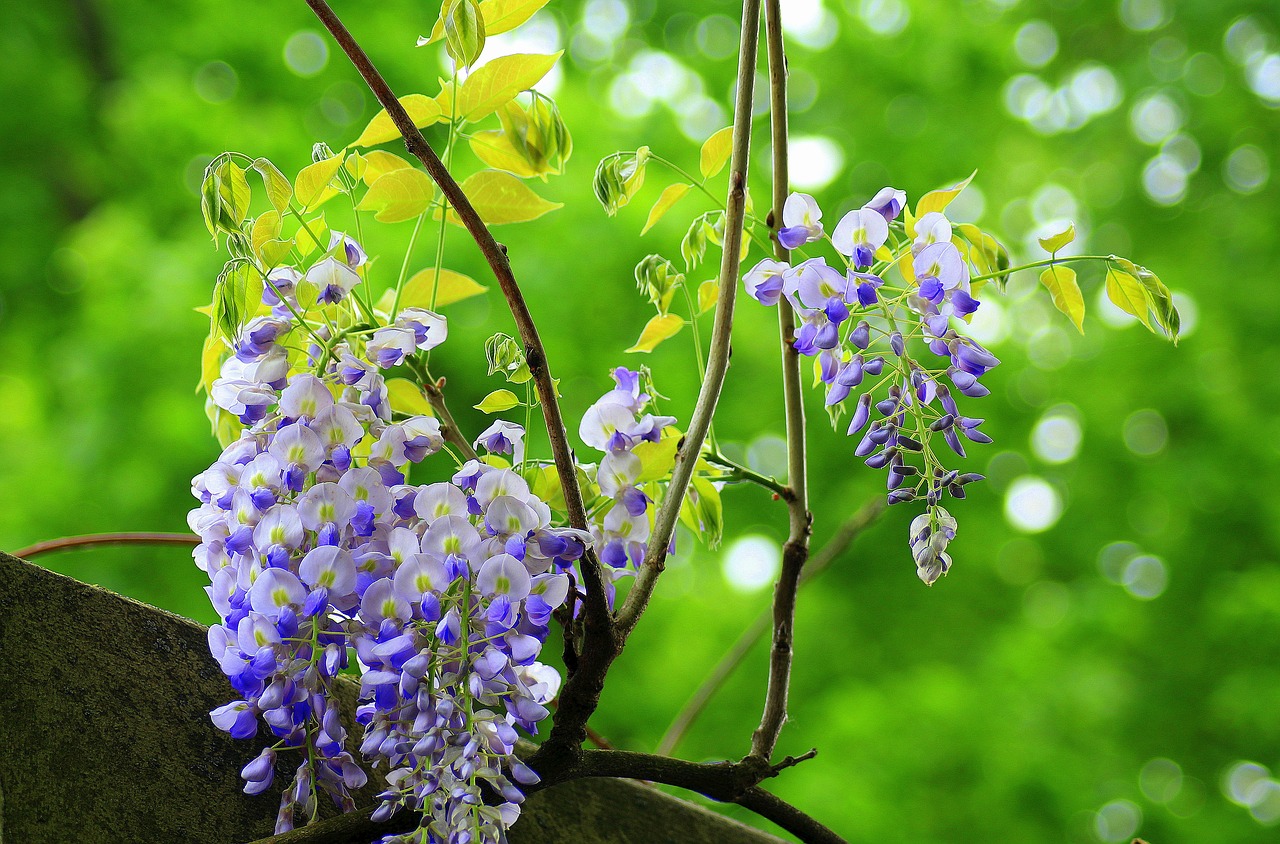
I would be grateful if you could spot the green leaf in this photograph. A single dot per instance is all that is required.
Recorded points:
(715, 153)
(661, 327)
(265, 230)
(312, 185)
(499, 16)
(498, 401)
(399, 195)
(233, 190)
(279, 191)
(1127, 294)
(423, 111)
(233, 299)
(702, 511)
(211, 361)
(1061, 284)
(464, 31)
(500, 198)
(938, 200)
(497, 83)
(671, 194)
(406, 397)
(1055, 242)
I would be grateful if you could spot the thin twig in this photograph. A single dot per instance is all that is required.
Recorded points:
(796, 550)
(721, 331)
(66, 542)
(496, 256)
(435, 397)
(829, 553)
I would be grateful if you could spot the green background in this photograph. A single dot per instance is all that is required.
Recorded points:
(1019, 698)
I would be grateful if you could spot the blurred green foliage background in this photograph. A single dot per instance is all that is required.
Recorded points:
(1103, 657)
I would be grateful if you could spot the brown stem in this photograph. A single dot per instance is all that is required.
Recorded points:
(496, 255)
(106, 539)
(828, 554)
(796, 550)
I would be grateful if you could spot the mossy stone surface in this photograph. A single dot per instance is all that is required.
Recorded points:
(105, 737)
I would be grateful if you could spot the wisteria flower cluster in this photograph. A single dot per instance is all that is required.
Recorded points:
(894, 353)
(314, 543)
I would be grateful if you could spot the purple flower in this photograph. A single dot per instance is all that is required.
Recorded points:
(859, 234)
(763, 282)
(801, 221)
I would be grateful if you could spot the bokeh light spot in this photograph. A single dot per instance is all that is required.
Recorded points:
(1031, 505)
(306, 53)
(751, 563)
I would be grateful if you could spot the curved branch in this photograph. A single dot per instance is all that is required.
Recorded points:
(721, 332)
(828, 554)
(65, 542)
(795, 553)
(496, 256)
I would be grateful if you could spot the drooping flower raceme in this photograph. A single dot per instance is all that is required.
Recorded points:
(315, 544)
(891, 355)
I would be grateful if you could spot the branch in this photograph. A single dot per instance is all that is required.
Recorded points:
(796, 550)
(65, 542)
(496, 255)
(828, 554)
(726, 782)
(435, 397)
(718, 358)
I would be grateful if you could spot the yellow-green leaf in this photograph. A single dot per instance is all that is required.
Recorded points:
(312, 185)
(938, 200)
(265, 229)
(272, 251)
(399, 195)
(656, 459)
(708, 295)
(671, 194)
(499, 16)
(406, 397)
(715, 152)
(1061, 284)
(497, 83)
(494, 148)
(1055, 242)
(210, 361)
(423, 111)
(1126, 293)
(378, 163)
(498, 401)
(279, 191)
(545, 484)
(234, 192)
(312, 236)
(500, 197)
(453, 287)
(661, 327)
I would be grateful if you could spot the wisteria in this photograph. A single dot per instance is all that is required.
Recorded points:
(892, 355)
(315, 545)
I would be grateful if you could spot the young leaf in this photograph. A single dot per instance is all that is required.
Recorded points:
(702, 511)
(498, 401)
(938, 200)
(279, 191)
(464, 31)
(1061, 284)
(500, 197)
(211, 361)
(399, 195)
(494, 147)
(1126, 293)
(499, 16)
(497, 83)
(423, 110)
(453, 287)
(656, 459)
(1055, 242)
(266, 229)
(661, 327)
(312, 185)
(671, 194)
(406, 397)
(233, 190)
(708, 295)
(378, 163)
(715, 152)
